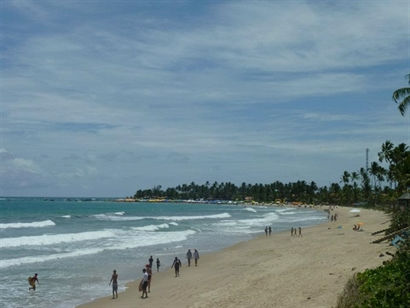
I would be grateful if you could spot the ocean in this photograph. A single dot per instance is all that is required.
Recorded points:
(74, 245)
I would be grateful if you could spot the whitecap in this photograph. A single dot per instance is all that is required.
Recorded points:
(151, 227)
(124, 240)
(66, 216)
(34, 224)
(51, 239)
(249, 209)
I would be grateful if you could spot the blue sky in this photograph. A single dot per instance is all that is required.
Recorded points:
(101, 98)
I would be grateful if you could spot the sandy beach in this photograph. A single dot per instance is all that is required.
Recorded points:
(278, 271)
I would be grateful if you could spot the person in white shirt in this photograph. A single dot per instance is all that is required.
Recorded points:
(144, 284)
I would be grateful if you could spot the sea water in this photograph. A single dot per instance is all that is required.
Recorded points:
(74, 245)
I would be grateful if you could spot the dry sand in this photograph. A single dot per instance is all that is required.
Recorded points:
(278, 271)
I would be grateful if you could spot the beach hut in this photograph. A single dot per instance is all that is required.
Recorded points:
(404, 201)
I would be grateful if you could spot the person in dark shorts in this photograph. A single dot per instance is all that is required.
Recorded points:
(270, 230)
(32, 282)
(196, 257)
(150, 260)
(114, 281)
(158, 264)
(176, 265)
(189, 256)
(266, 231)
(144, 283)
(149, 271)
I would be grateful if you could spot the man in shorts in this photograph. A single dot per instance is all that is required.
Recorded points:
(114, 282)
(144, 283)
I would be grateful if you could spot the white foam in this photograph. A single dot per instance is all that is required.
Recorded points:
(151, 227)
(34, 224)
(66, 216)
(51, 239)
(44, 258)
(124, 240)
(173, 223)
(289, 213)
(177, 218)
(249, 209)
(265, 219)
(119, 213)
(117, 217)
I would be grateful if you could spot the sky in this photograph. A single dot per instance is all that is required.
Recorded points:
(101, 98)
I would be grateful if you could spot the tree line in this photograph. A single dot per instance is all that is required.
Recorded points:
(382, 182)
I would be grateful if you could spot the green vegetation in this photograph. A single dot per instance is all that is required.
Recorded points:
(378, 185)
(389, 284)
(402, 97)
(385, 286)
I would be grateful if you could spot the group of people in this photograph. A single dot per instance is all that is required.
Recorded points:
(268, 230)
(294, 231)
(145, 283)
(332, 218)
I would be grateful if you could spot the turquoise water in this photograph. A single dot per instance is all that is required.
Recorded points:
(74, 246)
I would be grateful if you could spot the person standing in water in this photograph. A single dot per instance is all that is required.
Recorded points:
(189, 256)
(270, 230)
(32, 282)
(158, 264)
(150, 260)
(196, 257)
(114, 282)
(266, 231)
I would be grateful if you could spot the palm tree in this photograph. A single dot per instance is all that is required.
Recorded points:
(402, 97)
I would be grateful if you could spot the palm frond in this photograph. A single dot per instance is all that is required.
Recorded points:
(404, 104)
(400, 93)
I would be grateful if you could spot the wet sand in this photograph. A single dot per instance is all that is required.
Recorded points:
(278, 271)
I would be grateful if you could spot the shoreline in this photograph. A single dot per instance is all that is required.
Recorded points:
(280, 271)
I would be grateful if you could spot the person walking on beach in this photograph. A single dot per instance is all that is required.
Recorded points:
(149, 272)
(270, 230)
(176, 265)
(32, 282)
(151, 260)
(291, 232)
(114, 282)
(196, 257)
(144, 283)
(300, 232)
(189, 256)
(158, 264)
